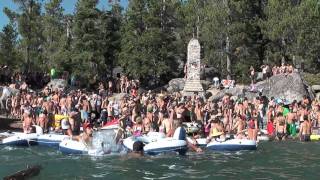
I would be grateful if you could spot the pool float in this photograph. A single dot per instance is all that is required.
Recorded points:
(232, 145)
(19, 139)
(103, 142)
(51, 140)
(157, 143)
(73, 147)
(225, 145)
(315, 137)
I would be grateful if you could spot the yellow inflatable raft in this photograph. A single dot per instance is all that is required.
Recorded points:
(315, 137)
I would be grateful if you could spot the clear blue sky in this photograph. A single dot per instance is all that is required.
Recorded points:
(68, 5)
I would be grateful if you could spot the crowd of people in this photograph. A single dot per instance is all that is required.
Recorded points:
(56, 110)
(139, 113)
(267, 71)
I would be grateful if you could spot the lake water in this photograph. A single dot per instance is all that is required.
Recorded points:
(272, 160)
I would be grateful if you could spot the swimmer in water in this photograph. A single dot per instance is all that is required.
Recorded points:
(137, 150)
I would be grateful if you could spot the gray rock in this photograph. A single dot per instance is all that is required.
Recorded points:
(316, 88)
(290, 87)
(236, 91)
(57, 84)
(206, 84)
(176, 85)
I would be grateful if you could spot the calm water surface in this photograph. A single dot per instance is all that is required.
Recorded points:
(272, 160)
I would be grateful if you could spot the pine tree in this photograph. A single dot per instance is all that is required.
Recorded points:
(110, 26)
(53, 33)
(87, 56)
(8, 46)
(29, 22)
(148, 45)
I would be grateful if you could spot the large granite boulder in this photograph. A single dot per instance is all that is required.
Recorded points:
(236, 91)
(291, 87)
(57, 84)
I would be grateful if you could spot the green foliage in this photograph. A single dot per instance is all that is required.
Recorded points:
(87, 56)
(312, 79)
(8, 46)
(148, 45)
(30, 29)
(54, 35)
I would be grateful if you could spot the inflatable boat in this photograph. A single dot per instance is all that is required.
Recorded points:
(51, 140)
(73, 147)
(225, 145)
(19, 139)
(157, 143)
(103, 142)
(201, 142)
(232, 145)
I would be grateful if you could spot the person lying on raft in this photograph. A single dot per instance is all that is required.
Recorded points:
(86, 136)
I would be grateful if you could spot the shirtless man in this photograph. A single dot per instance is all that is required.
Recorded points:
(199, 112)
(239, 127)
(86, 136)
(166, 125)
(280, 127)
(147, 122)
(27, 122)
(49, 106)
(305, 130)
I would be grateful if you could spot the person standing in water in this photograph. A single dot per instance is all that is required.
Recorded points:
(281, 128)
(305, 129)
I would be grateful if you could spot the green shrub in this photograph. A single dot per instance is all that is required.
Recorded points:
(312, 79)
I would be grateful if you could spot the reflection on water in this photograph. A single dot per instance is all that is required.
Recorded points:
(272, 160)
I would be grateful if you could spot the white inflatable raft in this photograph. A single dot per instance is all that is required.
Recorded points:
(73, 147)
(225, 145)
(103, 142)
(20, 139)
(156, 143)
(232, 145)
(51, 140)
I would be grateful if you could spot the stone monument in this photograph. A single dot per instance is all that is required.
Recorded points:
(193, 68)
